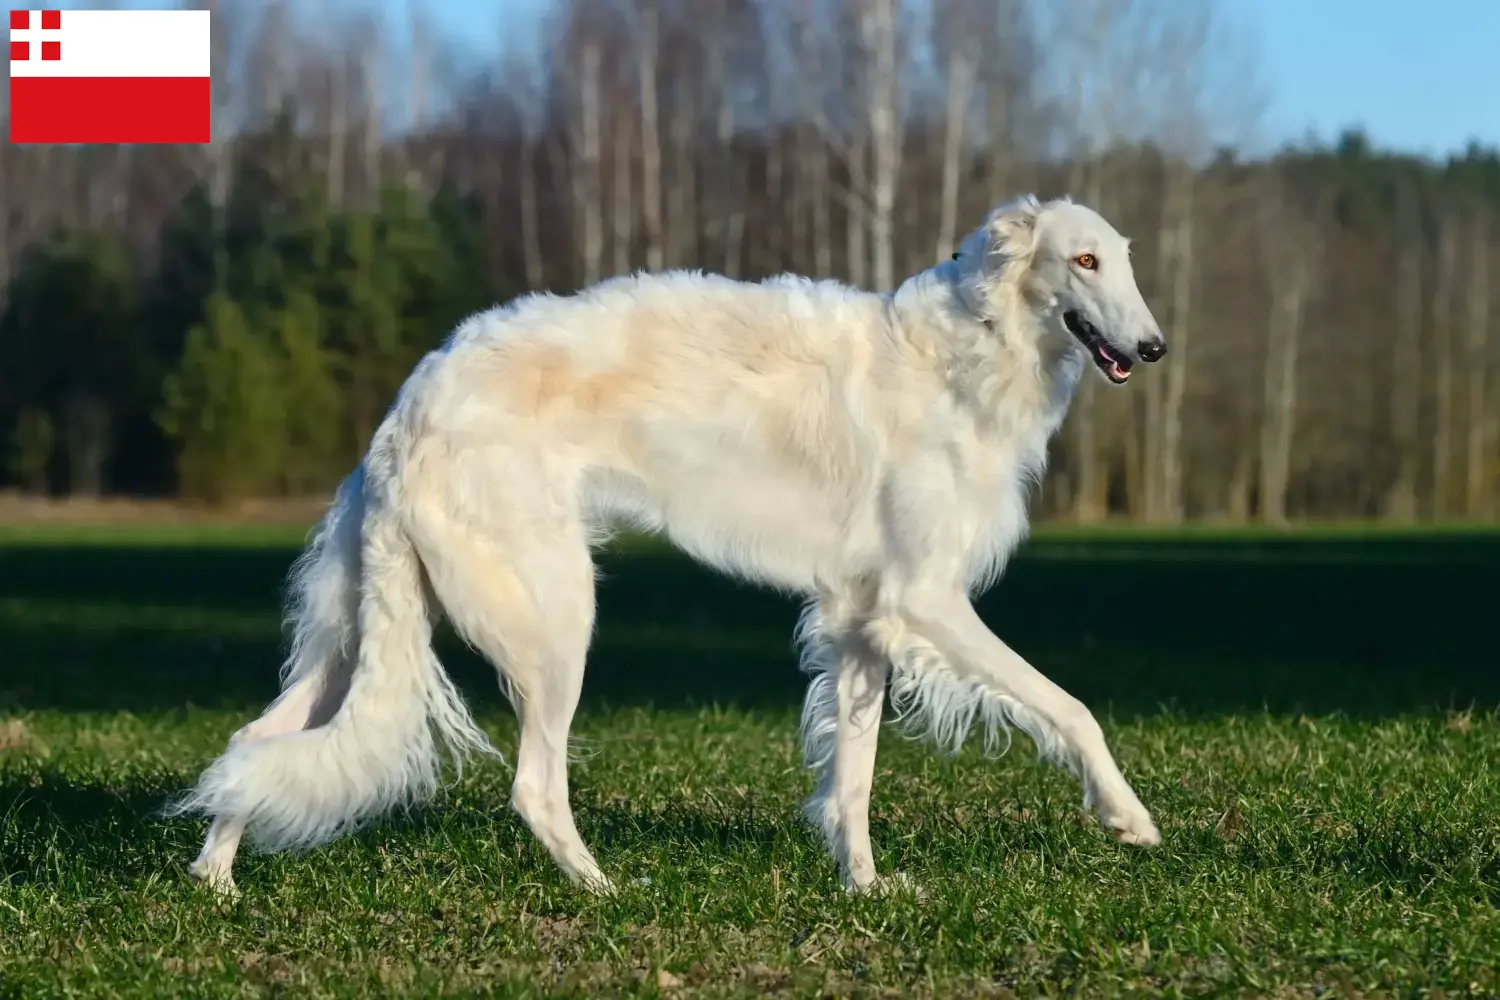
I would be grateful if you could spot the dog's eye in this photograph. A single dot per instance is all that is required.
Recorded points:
(1087, 261)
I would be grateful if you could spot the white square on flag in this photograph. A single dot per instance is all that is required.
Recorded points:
(89, 76)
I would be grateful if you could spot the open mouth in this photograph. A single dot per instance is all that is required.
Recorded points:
(1115, 367)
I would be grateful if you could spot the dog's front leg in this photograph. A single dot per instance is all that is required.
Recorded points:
(841, 805)
(1062, 727)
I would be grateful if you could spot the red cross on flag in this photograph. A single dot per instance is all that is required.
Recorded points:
(109, 76)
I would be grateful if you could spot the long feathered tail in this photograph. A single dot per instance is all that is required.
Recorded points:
(361, 619)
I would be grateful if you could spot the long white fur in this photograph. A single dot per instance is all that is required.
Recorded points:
(873, 452)
(381, 748)
(930, 700)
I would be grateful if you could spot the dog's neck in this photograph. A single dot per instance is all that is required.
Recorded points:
(989, 357)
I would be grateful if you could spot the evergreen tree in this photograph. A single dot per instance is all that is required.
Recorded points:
(71, 330)
(32, 445)
(225, 407)
(314, 403)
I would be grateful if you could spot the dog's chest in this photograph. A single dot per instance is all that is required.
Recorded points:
(994, 463)
(986, 466)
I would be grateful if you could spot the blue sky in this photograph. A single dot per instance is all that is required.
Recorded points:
(1417, 75)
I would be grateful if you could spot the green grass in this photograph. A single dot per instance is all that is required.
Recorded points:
(1312, 718)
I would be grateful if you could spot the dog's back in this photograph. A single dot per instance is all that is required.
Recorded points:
(742, 418)
(681, 342)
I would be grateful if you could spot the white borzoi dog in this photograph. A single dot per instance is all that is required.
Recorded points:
(873, 452)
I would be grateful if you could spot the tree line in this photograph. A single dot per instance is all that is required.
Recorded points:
(232, 320)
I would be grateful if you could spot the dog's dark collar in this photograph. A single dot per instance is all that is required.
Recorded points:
(988, 324)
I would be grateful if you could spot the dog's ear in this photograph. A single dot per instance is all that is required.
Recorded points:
(1012, 229)
(1001, 250)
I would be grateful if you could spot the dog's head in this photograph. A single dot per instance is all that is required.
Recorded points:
(1064, 263)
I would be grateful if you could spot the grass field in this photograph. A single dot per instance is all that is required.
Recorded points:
(1311, 718)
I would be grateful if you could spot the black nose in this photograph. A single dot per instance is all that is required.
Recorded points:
(1152, 350)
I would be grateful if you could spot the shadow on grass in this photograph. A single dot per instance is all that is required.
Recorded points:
(53, 826)
(1204, 626)
(58, 831)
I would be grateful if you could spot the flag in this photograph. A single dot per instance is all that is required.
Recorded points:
(109, 76)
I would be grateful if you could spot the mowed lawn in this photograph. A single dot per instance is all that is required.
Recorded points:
(1311, 718)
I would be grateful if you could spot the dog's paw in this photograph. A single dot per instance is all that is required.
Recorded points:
(595, 883)
(1128, 829)
(896, 884)
(218, 879)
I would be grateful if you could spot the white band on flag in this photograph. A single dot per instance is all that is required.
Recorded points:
(112, 43)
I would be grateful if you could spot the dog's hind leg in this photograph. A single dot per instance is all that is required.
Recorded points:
(525, 598)
(310, 701)
(325, 588)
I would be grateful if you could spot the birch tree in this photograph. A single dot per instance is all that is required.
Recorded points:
(681, 234)
(1007, 39)
(622, 192)
(588, 187)
(1083, 38)
(1476, 365)
(647, 39)
(524, 91)
(1186, 123)
(219, 155)
(1406, 358)
(372, 59)
(419, 75)
(878, 34)
(956, 42)
(1290, 235)
(726, 213)
(338, 86)
(1443, 312)
(1164, 432)
(815, 134)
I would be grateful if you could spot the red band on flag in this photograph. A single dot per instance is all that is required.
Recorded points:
(110, 109)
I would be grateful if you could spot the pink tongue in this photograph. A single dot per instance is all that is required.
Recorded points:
(1122, 373)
